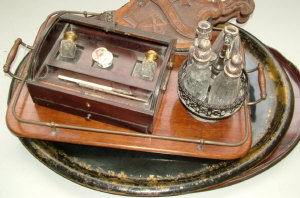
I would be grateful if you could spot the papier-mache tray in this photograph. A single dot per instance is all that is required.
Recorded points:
(274, 126)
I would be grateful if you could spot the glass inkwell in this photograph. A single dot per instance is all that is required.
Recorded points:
(146, 68)
(212, 83)
(149, 65)
(68, 46)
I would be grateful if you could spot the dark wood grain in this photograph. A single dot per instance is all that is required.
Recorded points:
(128, 47)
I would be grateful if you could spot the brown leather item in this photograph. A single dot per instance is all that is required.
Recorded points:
(178, 18)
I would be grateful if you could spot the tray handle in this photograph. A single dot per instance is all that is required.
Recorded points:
(11, 57)
(261, 82)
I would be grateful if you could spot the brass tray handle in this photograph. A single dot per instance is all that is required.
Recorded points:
(261, 82)
(11, 57)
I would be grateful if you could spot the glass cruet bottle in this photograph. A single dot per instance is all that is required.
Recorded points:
(227, 40)
(203, 31)
(198, 73)
(226, 86)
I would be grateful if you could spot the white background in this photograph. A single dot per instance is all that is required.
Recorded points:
(275, 22)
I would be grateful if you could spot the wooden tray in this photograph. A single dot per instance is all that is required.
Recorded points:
(173, 120)
(124, 172)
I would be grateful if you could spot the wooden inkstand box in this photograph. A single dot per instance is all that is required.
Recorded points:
(115, 93)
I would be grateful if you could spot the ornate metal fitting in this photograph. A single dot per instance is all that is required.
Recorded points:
(234, 67)
(201, 110)
(203, 52)
(151, 55)
(204, 30)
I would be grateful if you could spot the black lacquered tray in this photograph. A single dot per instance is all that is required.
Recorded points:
(148, 174)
